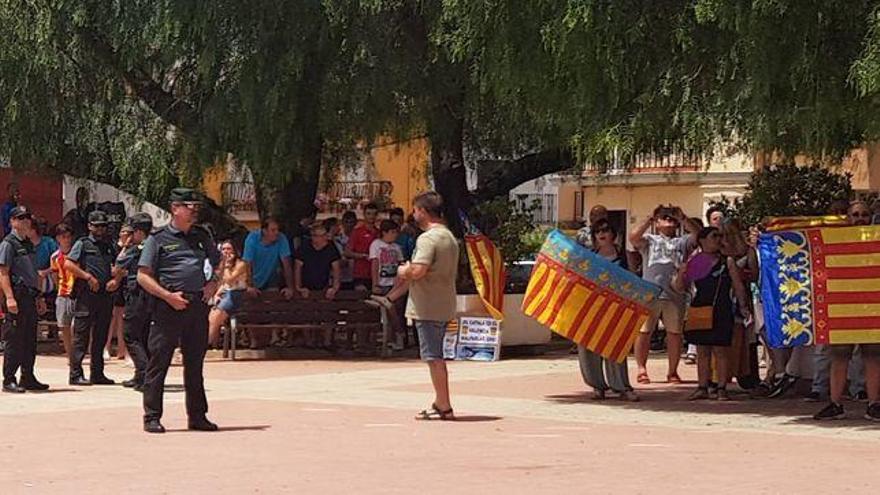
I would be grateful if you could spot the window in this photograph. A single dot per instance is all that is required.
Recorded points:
(545, 206)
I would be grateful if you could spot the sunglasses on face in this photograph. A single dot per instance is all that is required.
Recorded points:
(603, 230)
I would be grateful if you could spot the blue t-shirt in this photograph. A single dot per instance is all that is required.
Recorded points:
(264, 259)
(44, 249)
(407, 243)
(7, 211)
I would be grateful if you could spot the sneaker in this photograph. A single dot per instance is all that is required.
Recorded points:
(860, 397)
(690, 359)
(831, 411)
(784, 385)
(699, 394)
(106, 355)
(813, 397)
(628, 396)
(873, 412)
(722, 395)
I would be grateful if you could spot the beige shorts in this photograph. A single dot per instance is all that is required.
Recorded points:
(669, 312)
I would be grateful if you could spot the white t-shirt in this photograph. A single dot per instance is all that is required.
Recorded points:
(390, 257)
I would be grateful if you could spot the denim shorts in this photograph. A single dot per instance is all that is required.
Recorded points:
(431, 336)
(230, 301)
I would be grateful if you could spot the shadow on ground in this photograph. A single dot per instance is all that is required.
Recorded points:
(673, 398)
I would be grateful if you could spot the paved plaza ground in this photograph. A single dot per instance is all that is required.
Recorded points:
(526, 425)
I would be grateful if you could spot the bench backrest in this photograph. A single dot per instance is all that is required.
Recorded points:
(270, 308)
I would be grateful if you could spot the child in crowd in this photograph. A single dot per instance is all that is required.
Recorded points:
(385, 256)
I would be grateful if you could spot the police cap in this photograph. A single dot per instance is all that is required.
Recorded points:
(20, 211)
(98, 217)
(141, 221)
(184, 195)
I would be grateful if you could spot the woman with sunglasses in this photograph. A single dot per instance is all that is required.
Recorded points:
(615, 376)
(713, 279)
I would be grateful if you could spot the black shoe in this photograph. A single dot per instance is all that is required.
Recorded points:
(860, 397)
(130, 383)
(831, 411)
(13, 388)
(102, 380)
(873, 412)
(153, 426)
(31, 383)
(79, 382)
(202, 424)
(138, 388)
(813, 397)
(784, 385)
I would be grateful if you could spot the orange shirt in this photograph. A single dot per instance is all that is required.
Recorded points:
(65, 278)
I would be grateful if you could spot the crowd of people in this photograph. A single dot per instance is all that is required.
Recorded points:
(147, 285)
(708, 273)
(177, 289)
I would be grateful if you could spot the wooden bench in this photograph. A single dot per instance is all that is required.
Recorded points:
(350, 311)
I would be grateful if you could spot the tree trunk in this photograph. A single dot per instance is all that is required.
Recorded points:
(448, 168)
(497, 177)
(294, 197)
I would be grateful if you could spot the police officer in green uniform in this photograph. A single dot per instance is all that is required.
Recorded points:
(138, 315)
(90, 260)
(172, 269)
(19, 282)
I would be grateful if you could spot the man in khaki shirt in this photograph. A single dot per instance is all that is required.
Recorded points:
(431, 275)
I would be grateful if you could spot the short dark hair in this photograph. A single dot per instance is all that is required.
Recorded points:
(318, 226)
(371, 206)
(331, 222)
(431, 202)
(266, 221)
(712, 209)
(396, 212)
(388, 226)
(62, 228)
(349, 215)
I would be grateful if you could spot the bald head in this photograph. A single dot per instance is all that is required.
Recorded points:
(597, 213)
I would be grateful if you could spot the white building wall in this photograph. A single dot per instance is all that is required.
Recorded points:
(100, 192)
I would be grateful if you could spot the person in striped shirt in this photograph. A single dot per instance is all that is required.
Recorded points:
(63, 280)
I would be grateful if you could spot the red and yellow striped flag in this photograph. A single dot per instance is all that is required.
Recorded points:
(490, 276)
(587, 299)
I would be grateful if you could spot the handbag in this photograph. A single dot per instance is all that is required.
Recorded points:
(702, 317)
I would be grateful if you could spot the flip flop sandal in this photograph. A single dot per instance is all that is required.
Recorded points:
(675, 379)
(643, 379)
(435, 414)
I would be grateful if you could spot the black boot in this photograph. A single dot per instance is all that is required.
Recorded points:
(12, 387)
(30, 382)
(153, 426)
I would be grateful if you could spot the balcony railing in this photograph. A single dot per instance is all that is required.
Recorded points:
(649, 163)
(239, 197)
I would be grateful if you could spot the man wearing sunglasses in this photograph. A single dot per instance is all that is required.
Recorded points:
(663, 252)
(171, 269)
(90, 260)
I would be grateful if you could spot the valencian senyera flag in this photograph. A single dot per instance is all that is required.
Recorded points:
(821, 285)
(587, 299)
(487, 268)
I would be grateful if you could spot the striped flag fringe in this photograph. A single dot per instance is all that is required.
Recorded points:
(821, 285)
(487, 268)
(587, 299)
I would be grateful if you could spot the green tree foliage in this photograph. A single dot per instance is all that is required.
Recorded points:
(147, 93)
(790, 190)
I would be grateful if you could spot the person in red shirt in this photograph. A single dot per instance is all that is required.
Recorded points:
(358, 247)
